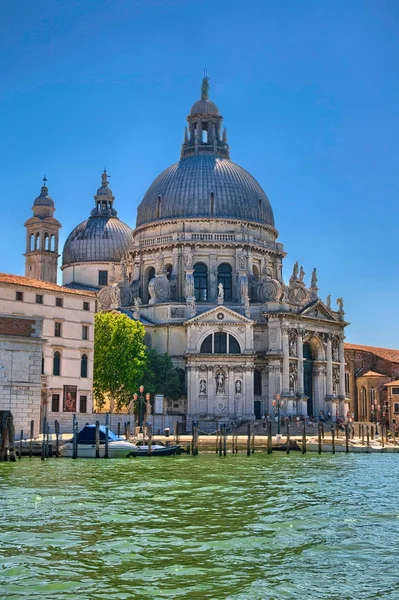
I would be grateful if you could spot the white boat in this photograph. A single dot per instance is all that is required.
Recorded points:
(312, 445)
(117, 447)
(157, 449)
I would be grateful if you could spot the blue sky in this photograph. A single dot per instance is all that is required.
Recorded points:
(309, 91)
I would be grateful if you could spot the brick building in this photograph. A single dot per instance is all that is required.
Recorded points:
(370, 376)
(21, 347)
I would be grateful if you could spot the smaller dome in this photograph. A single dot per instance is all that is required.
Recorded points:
(44, 199)
(104, 191)
(204, 106)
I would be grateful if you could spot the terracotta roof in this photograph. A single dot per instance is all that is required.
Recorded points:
(373, 374)
(386, 353)
(42, 285)
(391, 383)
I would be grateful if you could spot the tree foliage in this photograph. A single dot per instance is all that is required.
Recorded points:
(160, 376)
(119, 358)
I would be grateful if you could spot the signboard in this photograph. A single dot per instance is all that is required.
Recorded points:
(158, 404)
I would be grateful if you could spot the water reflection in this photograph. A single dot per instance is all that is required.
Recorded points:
(261, 527)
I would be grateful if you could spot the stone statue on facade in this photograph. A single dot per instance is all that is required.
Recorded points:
(115, 296)
(295, 271)
(313, 283)
(340, 303)
(301, 274)
(220, 382)
(238, 386)
(188, 259)
(220, 293)
(328, 301)
(202, 387)
(123, 265)
(137, 306)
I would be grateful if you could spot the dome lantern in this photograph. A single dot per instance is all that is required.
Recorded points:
(204, 135)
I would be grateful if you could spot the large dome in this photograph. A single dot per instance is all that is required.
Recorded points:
(184, 190)
(103, 237)
(97, 239)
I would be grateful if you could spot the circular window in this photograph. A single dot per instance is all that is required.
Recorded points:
(220, 316)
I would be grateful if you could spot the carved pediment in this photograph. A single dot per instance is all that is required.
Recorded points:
(221, 315)
(318, 310)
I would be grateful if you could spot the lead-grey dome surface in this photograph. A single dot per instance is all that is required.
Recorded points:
(97, 239)
(184, 190)
(204, 106)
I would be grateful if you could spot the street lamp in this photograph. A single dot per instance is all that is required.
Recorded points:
(278, 403)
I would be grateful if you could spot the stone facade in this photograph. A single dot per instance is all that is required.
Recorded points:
(21, 347)
(66, 359)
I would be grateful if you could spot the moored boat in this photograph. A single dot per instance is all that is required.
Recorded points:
(86, 443)
(312, 445)
(142, 448)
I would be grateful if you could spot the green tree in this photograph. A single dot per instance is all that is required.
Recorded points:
(119, 357)
(160, 376)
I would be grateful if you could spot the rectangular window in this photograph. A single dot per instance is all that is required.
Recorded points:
(19, 296)
(57, 329)
(39, 299)
(103, 278)
(55, 403)
(86, 306)
(70, 393)
(58, 301)
(83, 404)
(395, 390)
(85, 332)
(396, 408)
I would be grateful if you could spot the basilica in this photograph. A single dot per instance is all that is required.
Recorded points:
(203, 271)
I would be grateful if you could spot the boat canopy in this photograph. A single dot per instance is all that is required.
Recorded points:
(87, 435)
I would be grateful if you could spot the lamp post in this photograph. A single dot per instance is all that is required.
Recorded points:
(278, 403)
(141, 402)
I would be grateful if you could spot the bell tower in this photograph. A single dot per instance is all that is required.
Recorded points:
(42, 233)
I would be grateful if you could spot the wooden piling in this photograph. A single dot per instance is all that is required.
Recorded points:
(367, 435)
(32, 429)
(253, 441)
(149, 429)
(362, 433)
(47, 440)
(322, 430)
(333, 438)
(119, 429)
(372, 432)
(97, 439)
(220, 439)
(106, 435)
(304, 438)
(126, 430)
(269, 438)
(44, 430)
(248, 439)
(337, 429)
(319, 438)
(75, 437)
(20, 444)
(57, 438)
(224, 440)
(346, 437)
(382, 435)
(11, 441)
(217, 441)
(288, 441)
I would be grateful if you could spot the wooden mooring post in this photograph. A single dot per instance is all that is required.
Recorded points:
(32, 429)
(149, 430)
(253, 441)
(333, 438)
(288, 441)
(346, 437)
(57, 438)
(372, 432)
(249, 439)
(224, 440)
(220, 439)
(362, 430)
(106, 435)
(217, 441)
(75, 437)
(44, 432)
(367, 435)
(304, 438)
(20, 444)
(97, 439)
(119, 429)
(127, 424)
(319, 438)
(269, 437)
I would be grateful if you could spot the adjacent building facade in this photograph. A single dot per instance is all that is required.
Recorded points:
(66, 341)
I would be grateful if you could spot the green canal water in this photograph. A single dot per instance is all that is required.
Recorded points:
(263, 527)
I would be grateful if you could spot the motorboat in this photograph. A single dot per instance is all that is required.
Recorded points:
(142, 448)
(312, 445)
(118, 447)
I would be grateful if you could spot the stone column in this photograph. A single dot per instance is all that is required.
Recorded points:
(248, 387)
(341, 390)
(329, 390)
(213, 288)
(286, 363)
(299, 349)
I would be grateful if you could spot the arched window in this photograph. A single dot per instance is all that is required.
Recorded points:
(255, 272)
(220, 343)
(257, 383)
(52, 243)
(159, 205)
(363, 403)
(372, 396)
(46, 242)
(169, 269)
(347, 384)
(32, 242)
(212, 204)
(37, 241)
(182, 378)
(83, 365)
(201, 282)
(57, 363)
(224, 277)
